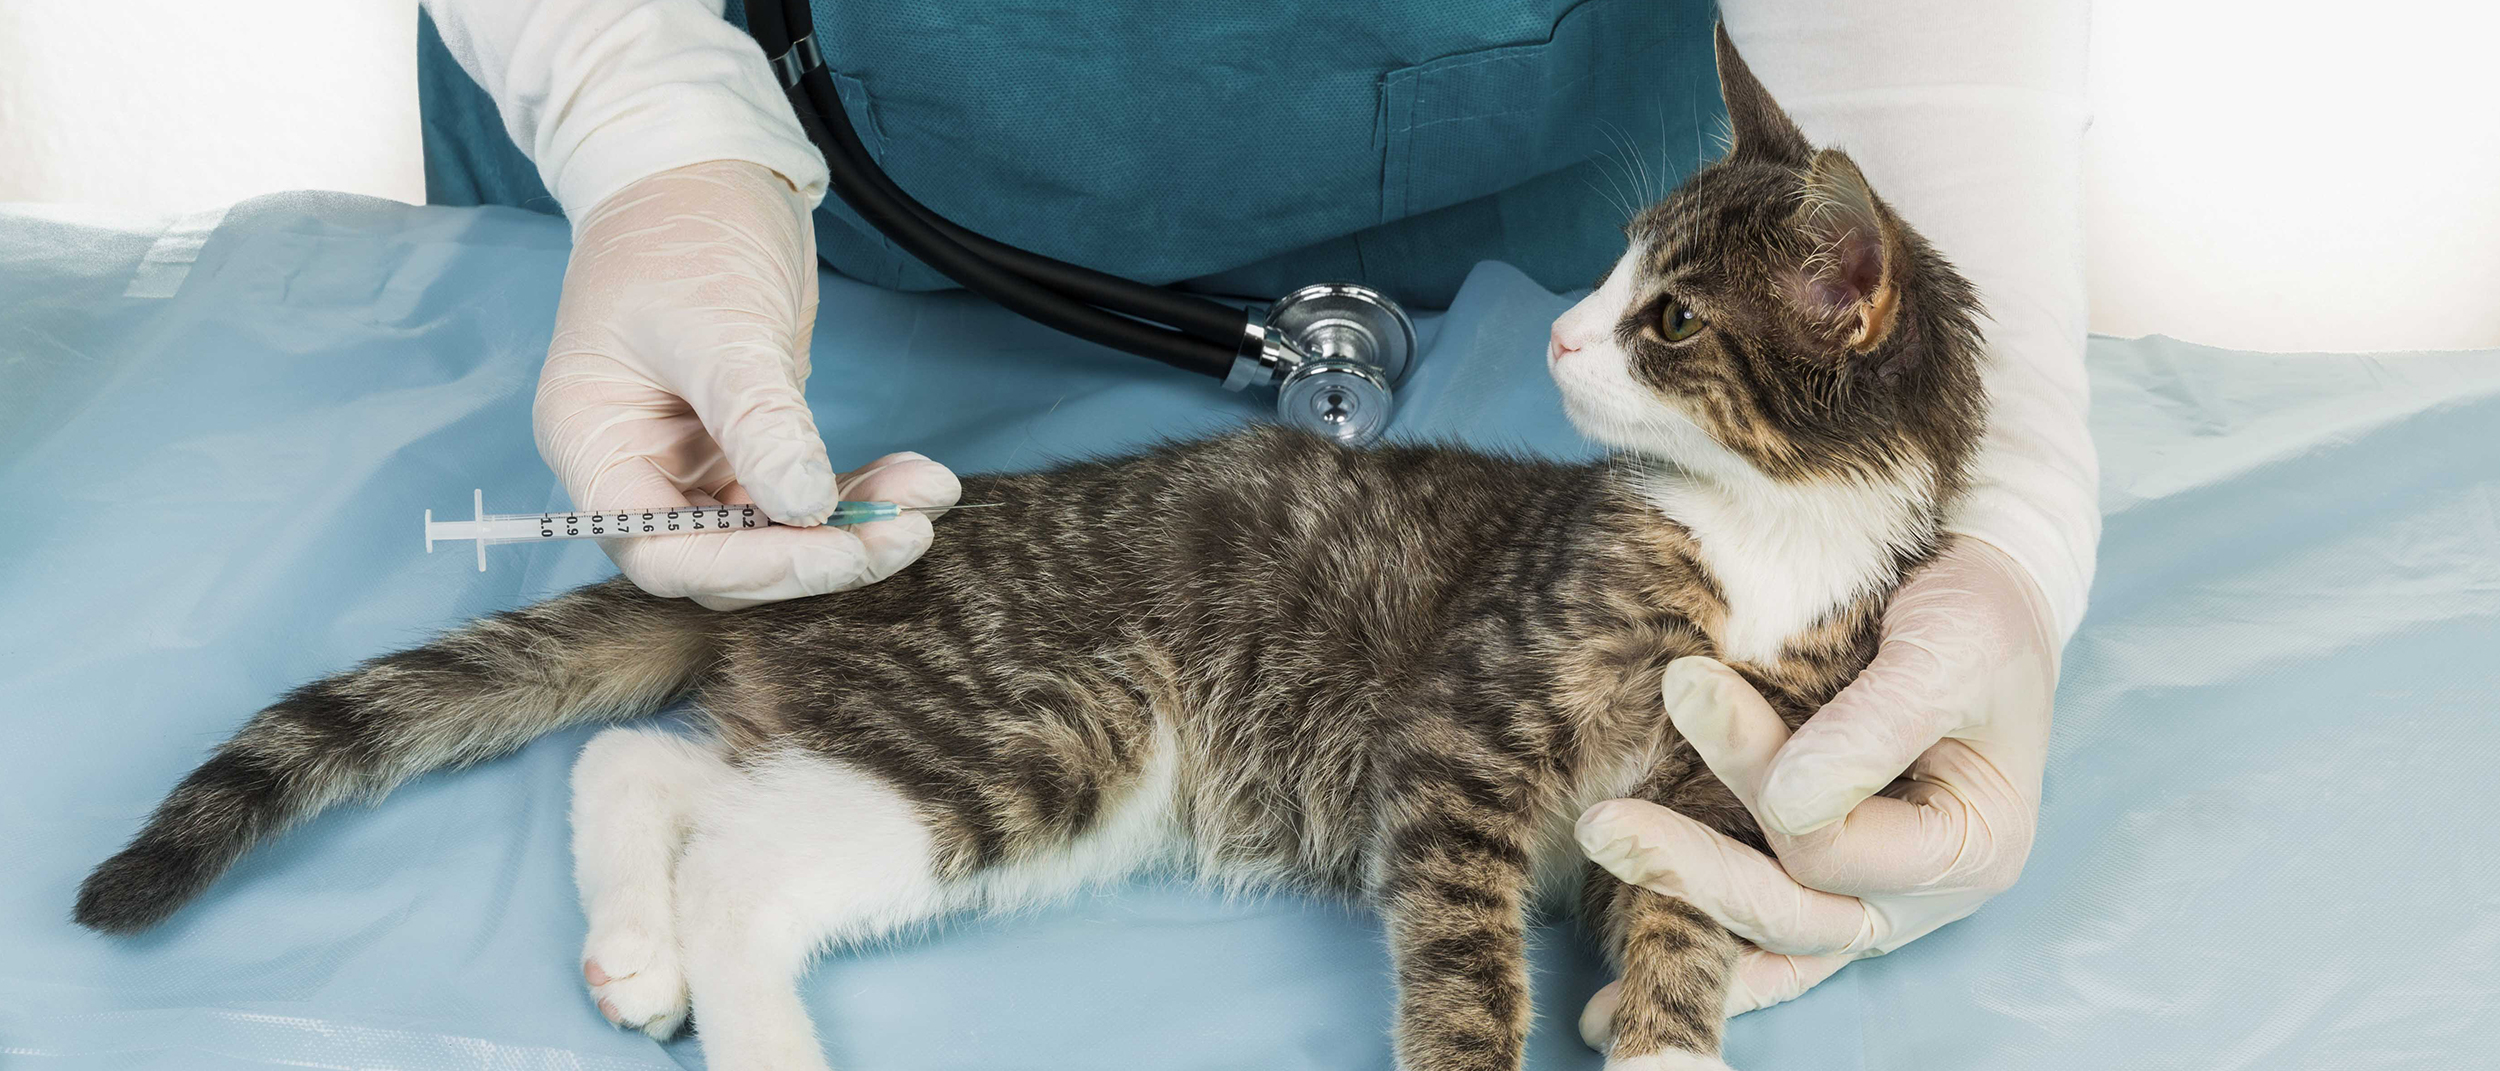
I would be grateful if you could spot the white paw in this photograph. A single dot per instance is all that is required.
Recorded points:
(1666, 1061)
(635, 977)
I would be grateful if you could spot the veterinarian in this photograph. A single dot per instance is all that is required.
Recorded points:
(1396, 146)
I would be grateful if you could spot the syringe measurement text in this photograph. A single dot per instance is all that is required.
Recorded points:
(622, 523)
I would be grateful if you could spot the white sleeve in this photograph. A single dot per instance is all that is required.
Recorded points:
(1968, 116)
(601, 93)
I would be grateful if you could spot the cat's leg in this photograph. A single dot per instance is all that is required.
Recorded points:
(1453, 886)
(1675, 963)
(633, 790)
(790, 852)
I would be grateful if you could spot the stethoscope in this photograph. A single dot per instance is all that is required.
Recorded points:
(1335, 352)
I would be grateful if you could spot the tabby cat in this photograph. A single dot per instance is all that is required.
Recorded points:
(1259, 660)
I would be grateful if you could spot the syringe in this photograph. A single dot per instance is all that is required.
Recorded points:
(636, 523)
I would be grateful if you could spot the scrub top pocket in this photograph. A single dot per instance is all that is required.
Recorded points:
(1473, 124)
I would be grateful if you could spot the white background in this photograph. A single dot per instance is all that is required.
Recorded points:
(178, 105)
(2298, 175)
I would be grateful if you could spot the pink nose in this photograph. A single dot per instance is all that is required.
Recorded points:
(1555, 347)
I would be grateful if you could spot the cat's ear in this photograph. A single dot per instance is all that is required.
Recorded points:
(1760, 127)
(1849, 284)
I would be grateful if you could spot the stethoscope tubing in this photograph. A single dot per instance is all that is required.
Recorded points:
(1092, 305)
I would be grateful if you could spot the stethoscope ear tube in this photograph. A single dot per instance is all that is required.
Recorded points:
(1064, 296)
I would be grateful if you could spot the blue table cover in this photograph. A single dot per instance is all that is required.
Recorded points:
(2268, 838)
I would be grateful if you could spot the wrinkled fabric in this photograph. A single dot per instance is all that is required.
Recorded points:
(2262, 843)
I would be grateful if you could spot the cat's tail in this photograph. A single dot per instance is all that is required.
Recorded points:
(603, 652)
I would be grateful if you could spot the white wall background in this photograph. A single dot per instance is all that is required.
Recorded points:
(179, 105)
(2295, 175)
(2298, 175)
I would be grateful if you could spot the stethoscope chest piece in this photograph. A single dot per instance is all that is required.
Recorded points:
(1336, 352)
(1333, 351)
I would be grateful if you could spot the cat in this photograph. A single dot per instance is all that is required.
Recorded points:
(1259, 660)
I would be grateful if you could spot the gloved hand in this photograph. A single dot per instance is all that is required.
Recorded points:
(676, 377)
(1958, 694)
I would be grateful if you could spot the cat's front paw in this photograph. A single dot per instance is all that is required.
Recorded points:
(634, 975)
(1666, 1061)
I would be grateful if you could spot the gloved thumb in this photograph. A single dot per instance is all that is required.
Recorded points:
(1726, 721)
(755, 410)
(1597, 1017)
(1859, 742)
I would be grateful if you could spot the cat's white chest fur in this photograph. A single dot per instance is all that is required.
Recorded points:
(1785, 555)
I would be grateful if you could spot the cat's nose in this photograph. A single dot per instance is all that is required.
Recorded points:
(1555, 347)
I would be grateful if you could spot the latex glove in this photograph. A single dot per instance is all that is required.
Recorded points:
(676, 377)
(1958, 694)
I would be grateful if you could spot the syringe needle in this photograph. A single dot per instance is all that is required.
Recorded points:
(848, 513)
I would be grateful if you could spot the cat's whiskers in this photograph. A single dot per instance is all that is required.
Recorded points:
(1636, 163)
(1611, 200)
(1628, 205)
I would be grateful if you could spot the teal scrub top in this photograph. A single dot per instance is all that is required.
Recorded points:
(1242, 149)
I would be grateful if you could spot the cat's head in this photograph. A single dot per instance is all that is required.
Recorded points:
(1774, 319)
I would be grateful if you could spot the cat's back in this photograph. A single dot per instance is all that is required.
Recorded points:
(1251, 517)
(1266, 531)
(1375, 546)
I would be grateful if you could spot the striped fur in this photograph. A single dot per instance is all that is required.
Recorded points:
(605, 651)
(1262, 660)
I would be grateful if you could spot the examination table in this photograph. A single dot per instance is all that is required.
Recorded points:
(2268, 839)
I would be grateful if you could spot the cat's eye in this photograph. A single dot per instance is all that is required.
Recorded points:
(1677, 321)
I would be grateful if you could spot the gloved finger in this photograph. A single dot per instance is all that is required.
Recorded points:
(1858, 743)
(1597, 1017)
(802, 346)
(905, 478)
(1744, 890)
(1736, 733)
(728, 570)
(1910, 838)
(735, 570)
(1958, 825)
(617, 442)
(751, 405)
(1969, 652)
(1763, 979)
(1738, 736)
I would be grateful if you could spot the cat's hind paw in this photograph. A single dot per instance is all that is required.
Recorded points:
(636, 979)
